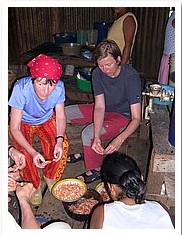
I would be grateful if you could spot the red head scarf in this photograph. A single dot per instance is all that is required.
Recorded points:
(44, 66)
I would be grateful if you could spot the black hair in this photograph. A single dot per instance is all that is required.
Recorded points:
(50, 81)
(118, 168)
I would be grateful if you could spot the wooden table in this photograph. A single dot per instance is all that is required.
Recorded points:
(161, 175)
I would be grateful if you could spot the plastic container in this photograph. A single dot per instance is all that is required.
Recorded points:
(92, 36)
(82, 37)
(102, 28)
(83, 84)
(86, 73)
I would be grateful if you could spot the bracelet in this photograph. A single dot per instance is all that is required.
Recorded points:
(9, 147)
(59, 136)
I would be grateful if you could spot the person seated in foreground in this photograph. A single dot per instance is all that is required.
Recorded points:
(24, 192)
(128, 209)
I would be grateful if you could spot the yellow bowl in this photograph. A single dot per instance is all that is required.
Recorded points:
(100, 187)
(69, 190)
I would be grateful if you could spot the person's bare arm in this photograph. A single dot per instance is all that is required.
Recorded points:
(97, 218)
(118, 141)
(15, 122)
(28, 219)
(129, 27)
(60, 119)
(16, 117)
(24, 193)
(99, 111)
(60, 130)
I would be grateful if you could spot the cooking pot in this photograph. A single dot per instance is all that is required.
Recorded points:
(71, 49)
(91, 193)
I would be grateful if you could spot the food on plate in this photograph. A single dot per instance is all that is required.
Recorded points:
(69, 190)
(83, 206)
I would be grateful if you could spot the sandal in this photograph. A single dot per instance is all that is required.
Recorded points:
(73, 159)
(90, 178)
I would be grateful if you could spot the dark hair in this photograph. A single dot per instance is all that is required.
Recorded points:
(105, 48)
(118, 168)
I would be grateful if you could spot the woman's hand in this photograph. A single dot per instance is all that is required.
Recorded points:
(11, 183)
(58, 151)
(114, 145)
(38, 160)
(13, 172)
(133, 125)
(97, 147)
(18, 157)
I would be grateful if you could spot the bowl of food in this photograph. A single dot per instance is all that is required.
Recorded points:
(81, 209)
(102, 191)
(69, 190)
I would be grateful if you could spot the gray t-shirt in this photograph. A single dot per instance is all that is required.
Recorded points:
(119, 92)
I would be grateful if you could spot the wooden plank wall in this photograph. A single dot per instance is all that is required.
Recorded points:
(29, 27)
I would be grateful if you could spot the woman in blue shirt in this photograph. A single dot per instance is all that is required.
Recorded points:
(37, 108)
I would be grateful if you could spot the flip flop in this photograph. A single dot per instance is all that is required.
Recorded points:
(73, 159)
(90, 178)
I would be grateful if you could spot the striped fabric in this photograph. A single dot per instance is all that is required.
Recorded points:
(47, 133)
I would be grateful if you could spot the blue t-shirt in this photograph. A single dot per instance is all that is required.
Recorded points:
(35, 111)
(119, 92)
